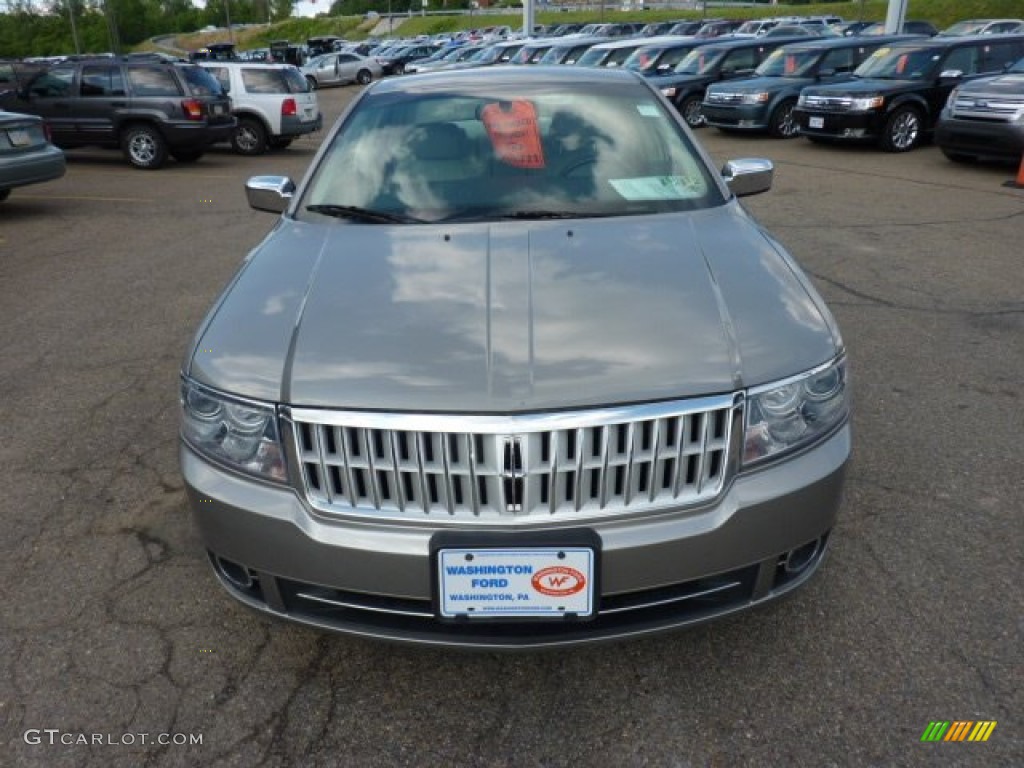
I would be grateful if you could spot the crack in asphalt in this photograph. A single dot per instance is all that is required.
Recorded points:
(874, 299)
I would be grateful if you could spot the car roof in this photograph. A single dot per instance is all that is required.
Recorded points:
(753, 42)
(561, 42)
(642, 42)
(850, 42)
(253, 64)
(955, 40)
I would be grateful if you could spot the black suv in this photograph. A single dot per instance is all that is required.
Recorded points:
(686, 85)
(765, 101)
(149, 108)
(895, 97)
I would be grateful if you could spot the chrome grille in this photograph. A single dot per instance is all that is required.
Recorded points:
(994, 108)
(827, 103)
(491, 469)
(724, 98)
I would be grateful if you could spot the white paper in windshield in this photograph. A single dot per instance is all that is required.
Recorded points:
(657, 188)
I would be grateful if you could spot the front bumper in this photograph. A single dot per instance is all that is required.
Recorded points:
(841, 126)
(1003, 141)
(658, 572)
(752, 117)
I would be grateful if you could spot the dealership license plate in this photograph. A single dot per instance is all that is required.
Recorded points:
(816, 122)
(19, 137)
(529, 582)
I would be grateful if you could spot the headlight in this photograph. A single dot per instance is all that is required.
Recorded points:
(670, 92)
(867, 103)
(791, 414)
(755, 98)
(242, 434)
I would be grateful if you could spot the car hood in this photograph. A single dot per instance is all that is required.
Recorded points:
(1010, 84)
(506, 317)
(674, 80)
(758, 84)
(862, 86)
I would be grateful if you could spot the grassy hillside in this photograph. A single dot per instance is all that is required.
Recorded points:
(942, 13)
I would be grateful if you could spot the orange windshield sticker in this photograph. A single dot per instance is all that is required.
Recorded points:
(901, 64)
(514, 133)
(790, 65)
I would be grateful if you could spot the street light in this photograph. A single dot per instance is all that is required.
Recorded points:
(74, 29)
(227, 16)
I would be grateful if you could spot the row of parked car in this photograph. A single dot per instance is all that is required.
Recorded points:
(154, 108)
(891, 90)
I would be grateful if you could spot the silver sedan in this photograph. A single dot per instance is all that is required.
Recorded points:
(26, 154)
(514, 368)
(341, 69)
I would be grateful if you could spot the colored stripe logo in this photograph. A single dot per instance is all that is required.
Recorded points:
(958, 730)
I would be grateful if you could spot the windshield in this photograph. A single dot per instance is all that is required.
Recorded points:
(619, 57)
(783, 63)
(751, 27)
(497, 151)
(592, 58)
(486, 55)
(1017, 68)
(699, 61)
(965, 28)
(899, 63)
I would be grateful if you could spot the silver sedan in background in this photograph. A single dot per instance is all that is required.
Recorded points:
(341, 69)
(26, 154)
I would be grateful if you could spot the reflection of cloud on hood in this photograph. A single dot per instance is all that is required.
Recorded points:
(569, 306)
(367, 371)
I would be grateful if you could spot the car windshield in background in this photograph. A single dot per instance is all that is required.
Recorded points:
(782, 63)
(899, 63)
(540, 152)
(699, 61)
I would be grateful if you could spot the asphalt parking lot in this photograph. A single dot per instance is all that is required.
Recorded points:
(114, 637)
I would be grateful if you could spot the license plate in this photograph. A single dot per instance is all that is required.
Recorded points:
(19, 137)
(530, 582)
(816, 122)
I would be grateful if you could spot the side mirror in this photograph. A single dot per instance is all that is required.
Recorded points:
(748, 176)
(269, 193)
(822, 74)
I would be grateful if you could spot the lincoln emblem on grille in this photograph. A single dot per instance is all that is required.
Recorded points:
(512, 472)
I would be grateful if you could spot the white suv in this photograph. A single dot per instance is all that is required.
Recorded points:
(273, 104)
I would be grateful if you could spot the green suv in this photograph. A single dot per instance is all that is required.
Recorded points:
(149, 108)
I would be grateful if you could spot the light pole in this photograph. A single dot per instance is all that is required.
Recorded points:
(74, 29)
(227, 16)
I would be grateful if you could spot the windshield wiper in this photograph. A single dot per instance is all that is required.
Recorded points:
(362, 214)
